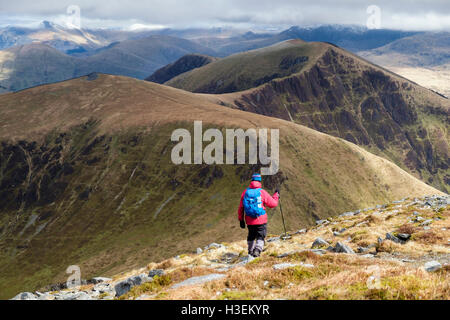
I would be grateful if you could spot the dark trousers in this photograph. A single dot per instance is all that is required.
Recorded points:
(257, 232)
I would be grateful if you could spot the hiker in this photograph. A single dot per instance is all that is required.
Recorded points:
(253, 204)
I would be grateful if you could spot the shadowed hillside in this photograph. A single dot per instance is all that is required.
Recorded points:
(182, 65)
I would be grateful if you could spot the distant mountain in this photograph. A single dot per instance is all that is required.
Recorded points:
(141, 57)
(67, 40)
(420, 50)
(36, 63)
(423, 58)
(347, 37)
(352, 38)
(333, 91)
(224, 41)
(86, 179)
(182, 65)
(33, 64)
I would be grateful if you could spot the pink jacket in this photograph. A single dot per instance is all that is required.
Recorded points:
(269, 201)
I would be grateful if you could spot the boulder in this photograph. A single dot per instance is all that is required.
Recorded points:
(214, 246)
(156, 272)
(81, 295)
(319, 242)
(404, 236)
(390, 236)
(25, 296)
(432, 266)
(99, 279)
(124, 286)
(343, 248)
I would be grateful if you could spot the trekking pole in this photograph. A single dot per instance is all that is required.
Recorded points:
(285, 236)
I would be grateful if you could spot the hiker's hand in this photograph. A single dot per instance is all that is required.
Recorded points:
(277, 191)
(242, 223)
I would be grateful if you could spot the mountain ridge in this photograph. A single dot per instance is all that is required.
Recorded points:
(338, 93)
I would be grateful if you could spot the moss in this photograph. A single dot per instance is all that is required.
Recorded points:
(157, 284)
(299, 273)
(322, 293)
(255, 261)
(102, 295)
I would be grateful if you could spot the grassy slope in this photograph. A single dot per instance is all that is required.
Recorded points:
(86, 178)
(342, 95)
(249, 69)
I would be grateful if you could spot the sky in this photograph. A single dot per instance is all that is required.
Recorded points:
(250, 14)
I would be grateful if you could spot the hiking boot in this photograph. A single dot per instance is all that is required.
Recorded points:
(256, 253)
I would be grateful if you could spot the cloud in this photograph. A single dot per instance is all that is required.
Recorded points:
(401, 14)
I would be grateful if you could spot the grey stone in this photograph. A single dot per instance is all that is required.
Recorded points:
(199, 250)
(300, 231)
(229, 257)
(416, 213)
(306, 265)
(426, 222)
(77, 296)
(343, 248)
(25, 296)
(199, 280)
(368, 256)
(99, 279)
(273, 239)
(404, 236)
(281, 266)
(418, 219)
(213, 246)
(245, 260)
(390, 236)
(44, 296)
(287, 254)
(320, 252)
(124, 286)
(156, 272)
(426, 228)
(363, 249)
(104, 288)
(432, 266)
(319, 242)
(347, 214)
(319, 222)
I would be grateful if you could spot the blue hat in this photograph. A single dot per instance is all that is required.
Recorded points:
(256, 177)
